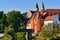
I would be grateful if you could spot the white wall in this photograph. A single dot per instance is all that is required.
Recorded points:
(56, 19)
(28, 26)
(1, 34)
(47, 22)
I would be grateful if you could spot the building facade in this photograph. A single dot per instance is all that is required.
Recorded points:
(42, 17)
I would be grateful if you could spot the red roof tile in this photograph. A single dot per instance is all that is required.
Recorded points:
(49, 17)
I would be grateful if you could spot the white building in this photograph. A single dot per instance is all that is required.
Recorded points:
(52, 19)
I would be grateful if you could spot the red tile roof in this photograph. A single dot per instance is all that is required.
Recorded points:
(49, 17)
(53, 11)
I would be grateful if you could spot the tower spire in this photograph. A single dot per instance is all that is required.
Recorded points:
(37, 8)
(42, 7)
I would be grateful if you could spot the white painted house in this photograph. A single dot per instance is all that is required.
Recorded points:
(52, 19)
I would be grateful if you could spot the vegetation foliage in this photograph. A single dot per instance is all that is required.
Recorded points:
(13, 20)
(9, 23)
(49, 32)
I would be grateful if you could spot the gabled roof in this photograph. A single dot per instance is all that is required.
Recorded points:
(53, 11)
(49, 18)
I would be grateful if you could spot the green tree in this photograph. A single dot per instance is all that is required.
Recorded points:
(10, 31)
(49, 32)
(7, 37)
(11, 22)
(3, 21)
(15, 18)
(24, 14)
(1, 14)
(20, 36)
(15, 22)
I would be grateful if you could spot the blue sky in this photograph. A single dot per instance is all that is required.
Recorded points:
(27, 5)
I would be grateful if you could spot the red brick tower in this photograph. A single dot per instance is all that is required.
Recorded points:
(36, 22)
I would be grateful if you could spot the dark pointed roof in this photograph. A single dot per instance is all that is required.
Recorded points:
(32, 12)
(37, 7)
(42, 7)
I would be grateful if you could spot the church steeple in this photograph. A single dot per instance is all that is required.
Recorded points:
(37, 8)
(42, 8)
